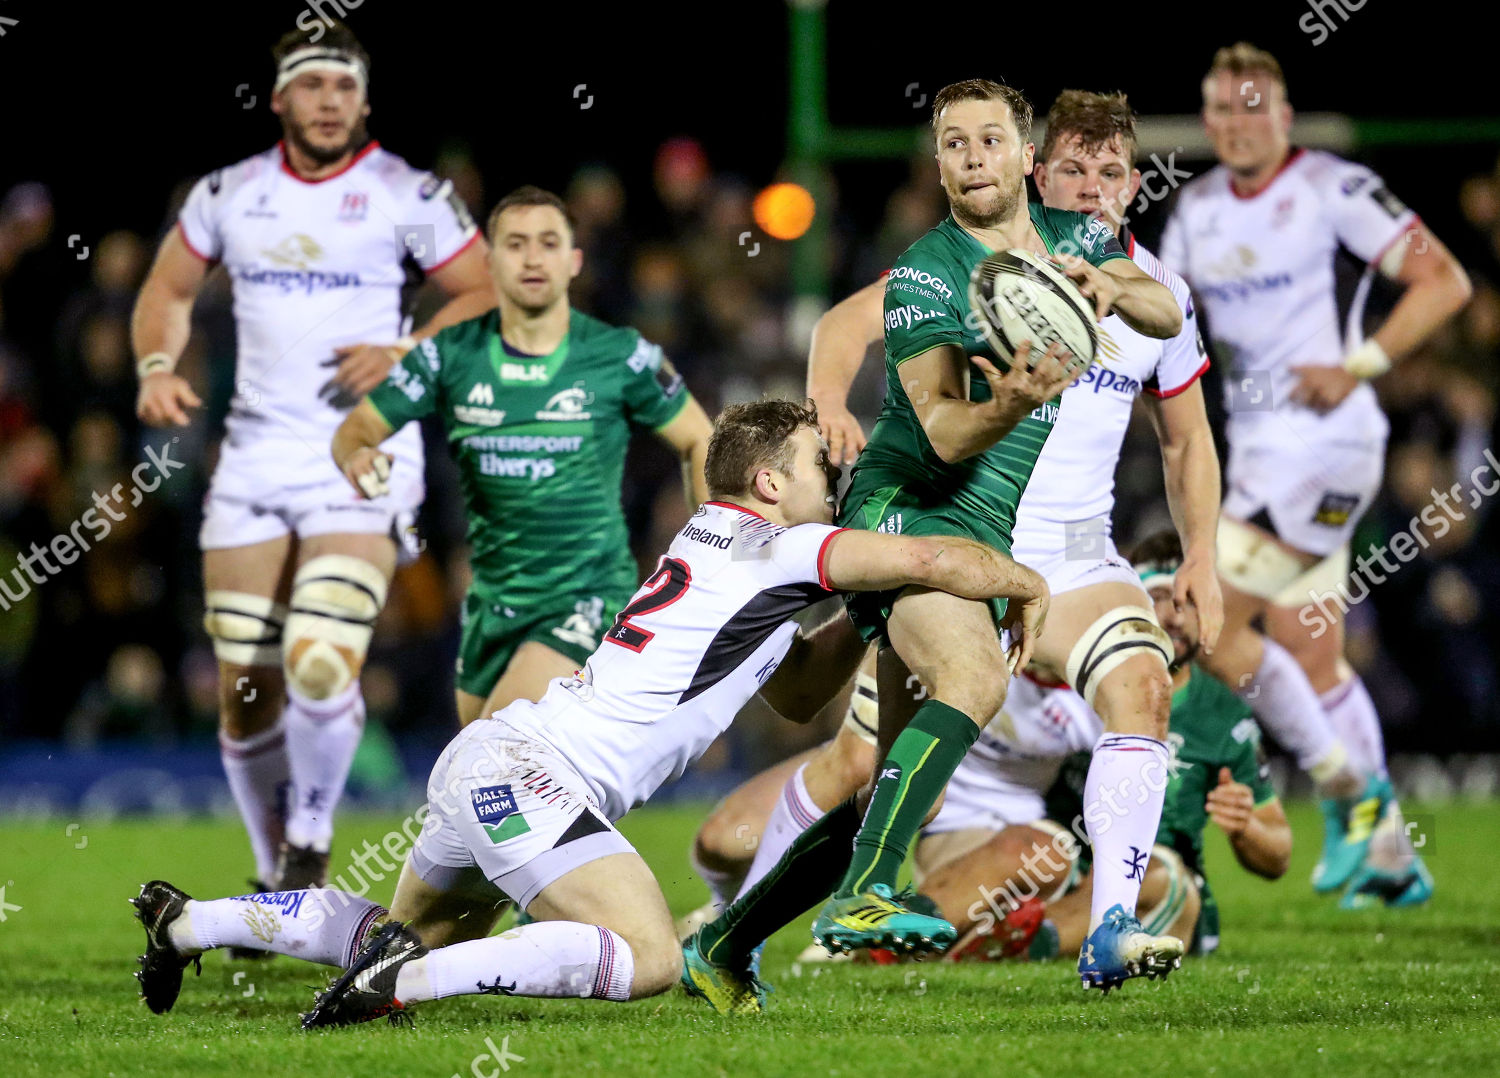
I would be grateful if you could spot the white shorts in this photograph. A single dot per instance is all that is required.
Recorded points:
(1311, 497)
(976, 799)
(255, 497)
(504, 808)
(1094, 561)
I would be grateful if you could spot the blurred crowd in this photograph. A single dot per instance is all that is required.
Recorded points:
(111, 646)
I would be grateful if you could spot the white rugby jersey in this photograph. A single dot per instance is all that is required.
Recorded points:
(1263, 268)
(1071, 493)
(694, 644)
(1019, 754)
(316, 265)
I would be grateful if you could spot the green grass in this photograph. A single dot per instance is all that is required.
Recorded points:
(1297, 988)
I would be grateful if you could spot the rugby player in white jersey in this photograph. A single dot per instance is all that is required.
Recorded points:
(1258, 238)
(524, 802)
(320, 234)
(1103, 637)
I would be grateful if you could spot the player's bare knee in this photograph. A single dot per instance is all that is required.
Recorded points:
(716, 847)
(250, 699)
(658, 961)
(335, 601)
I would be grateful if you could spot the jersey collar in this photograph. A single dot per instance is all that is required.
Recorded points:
(359, 156)
(1296, 152)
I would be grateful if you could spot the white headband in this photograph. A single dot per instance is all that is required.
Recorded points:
(1156, 575)
(315, 58)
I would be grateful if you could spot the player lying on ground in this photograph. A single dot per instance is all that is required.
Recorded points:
(538, 402)
(523, 804)
(1007, 838)
(1258, 238)
(1102, 634)
(319, 235)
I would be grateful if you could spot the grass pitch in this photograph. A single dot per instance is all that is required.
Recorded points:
(1297, 988)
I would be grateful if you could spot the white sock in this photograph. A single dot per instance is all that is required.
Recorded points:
(794, 813)
(721, 885)
(1286, 704)
(321, 738)
(257, 770)
(1122, 800)
(322, 925)
(1354, 719)
(555, 959)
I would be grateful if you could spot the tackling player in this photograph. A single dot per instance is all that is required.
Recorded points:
(994, 838)
(537, 403)
(1102, 634)
(319, 234)
(524, 802)
(1258, 238)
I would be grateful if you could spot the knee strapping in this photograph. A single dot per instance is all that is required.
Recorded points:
(246, 629)
(1121, 634)
(335, 601)
(863, 717)
(1254, 562)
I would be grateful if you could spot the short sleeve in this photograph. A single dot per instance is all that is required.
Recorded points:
(439, 226)
(655, 393)
(801, 553)
(1184, 358)
(1366, 217)
(921, 307)
(198, 222)
(410, 391)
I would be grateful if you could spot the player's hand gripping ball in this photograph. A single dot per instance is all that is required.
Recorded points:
(1021, 296)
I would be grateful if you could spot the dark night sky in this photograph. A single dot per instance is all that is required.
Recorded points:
(111, 105)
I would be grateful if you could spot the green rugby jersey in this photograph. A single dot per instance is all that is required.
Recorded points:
(927, 305)
(540, 444)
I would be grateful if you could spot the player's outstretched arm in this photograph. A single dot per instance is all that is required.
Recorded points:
(840, 342)
(873, 561)
(356, 450)
(1261, 837)
(688, 435)
(1191, 465)
(1123, 288)
(159, 328)
(937, 384)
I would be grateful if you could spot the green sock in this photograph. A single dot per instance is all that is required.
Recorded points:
(912, 777)
(806, 874)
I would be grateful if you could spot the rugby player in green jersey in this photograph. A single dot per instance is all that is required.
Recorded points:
(1216, 772)
(537, 402)
(950, 455)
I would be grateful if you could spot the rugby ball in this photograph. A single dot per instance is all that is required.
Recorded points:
(1017, 296)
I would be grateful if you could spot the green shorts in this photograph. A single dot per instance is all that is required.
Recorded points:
(491, 632)
(877, 505)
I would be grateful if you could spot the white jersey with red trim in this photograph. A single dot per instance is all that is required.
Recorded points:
(1065, 511)
(1005, 777)
(314, 266)
(689, 650)
(1263, 268)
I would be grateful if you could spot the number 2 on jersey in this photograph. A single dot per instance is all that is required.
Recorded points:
(664, 587)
